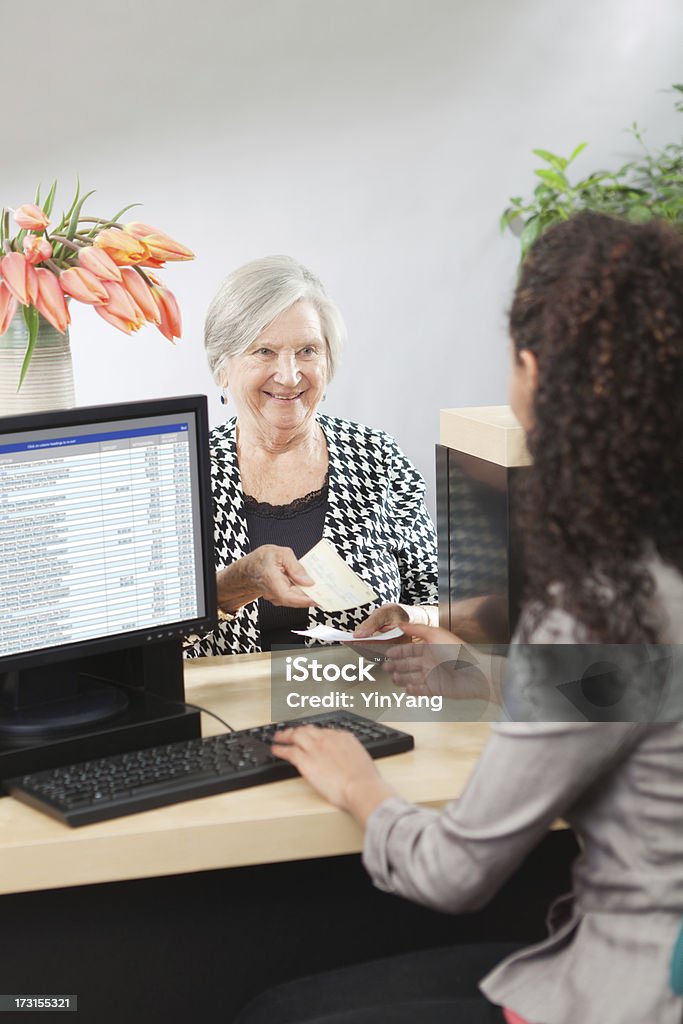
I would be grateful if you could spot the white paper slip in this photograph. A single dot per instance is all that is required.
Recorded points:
(336, 586)
(330, 633)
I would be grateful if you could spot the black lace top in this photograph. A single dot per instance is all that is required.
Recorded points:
(298, 525)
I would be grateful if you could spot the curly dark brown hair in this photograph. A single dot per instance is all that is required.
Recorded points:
(600, 305)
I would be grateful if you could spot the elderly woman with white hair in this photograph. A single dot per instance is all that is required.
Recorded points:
(285, 476)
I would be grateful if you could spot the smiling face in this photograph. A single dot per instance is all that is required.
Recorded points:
(278, 383)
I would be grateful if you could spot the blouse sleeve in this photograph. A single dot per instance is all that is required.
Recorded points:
(416, 550)
(528, 775)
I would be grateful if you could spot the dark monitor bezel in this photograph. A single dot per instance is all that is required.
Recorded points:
(86, 415)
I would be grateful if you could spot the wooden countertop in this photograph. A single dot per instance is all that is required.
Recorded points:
(277, 822)
(489, 432)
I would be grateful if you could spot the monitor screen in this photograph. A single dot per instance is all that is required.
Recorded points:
(104, 527)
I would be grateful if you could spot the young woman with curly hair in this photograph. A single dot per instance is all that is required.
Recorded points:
(597, 382)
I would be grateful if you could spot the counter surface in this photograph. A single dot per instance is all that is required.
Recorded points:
(277, 822)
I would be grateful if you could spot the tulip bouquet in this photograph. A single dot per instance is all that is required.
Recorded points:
(101, 262)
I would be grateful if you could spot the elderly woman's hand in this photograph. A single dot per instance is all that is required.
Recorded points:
(381, 620)
(270, 572)
(391, 616)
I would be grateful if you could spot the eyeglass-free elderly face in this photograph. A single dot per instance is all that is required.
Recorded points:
(278, 383)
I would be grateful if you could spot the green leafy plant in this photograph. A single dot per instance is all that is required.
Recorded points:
(649, 186)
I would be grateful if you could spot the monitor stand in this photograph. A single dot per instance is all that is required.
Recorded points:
(41, 704)
(95, 706)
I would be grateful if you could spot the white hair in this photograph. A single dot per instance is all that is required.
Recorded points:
(253, 296)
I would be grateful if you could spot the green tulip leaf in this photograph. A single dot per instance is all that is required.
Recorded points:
(49, 202)
(66, 217)
(125, 209)
(31, 321)
(75, 214)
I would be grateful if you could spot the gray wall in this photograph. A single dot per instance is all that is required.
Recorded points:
(375, 140)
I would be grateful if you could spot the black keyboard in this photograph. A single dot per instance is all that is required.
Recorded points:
(110, 787)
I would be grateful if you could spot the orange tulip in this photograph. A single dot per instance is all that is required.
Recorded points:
(31, 283)
(171, 324)
(30, 217)
(8, 307)
(36, 249)
(141, 295)
(120, 304)
(151, 261)
(160, 245)
(83, 285)
(124, 249)
(99, 263)
(50, 301)
(124, 324)
(20, 277)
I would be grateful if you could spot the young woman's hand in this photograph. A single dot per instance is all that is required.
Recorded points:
(440, 664)
(336, 765)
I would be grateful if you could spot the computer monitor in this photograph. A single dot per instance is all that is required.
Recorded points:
(106, 562)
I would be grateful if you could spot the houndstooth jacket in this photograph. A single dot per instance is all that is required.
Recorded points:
(376, 519)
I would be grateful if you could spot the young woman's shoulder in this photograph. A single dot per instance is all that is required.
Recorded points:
(556, 673)
(669, 595)
(552, 624)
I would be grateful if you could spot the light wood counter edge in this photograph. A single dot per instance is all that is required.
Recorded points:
(159, 846)
(266, 824)
(179, 851)
(488, 432)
